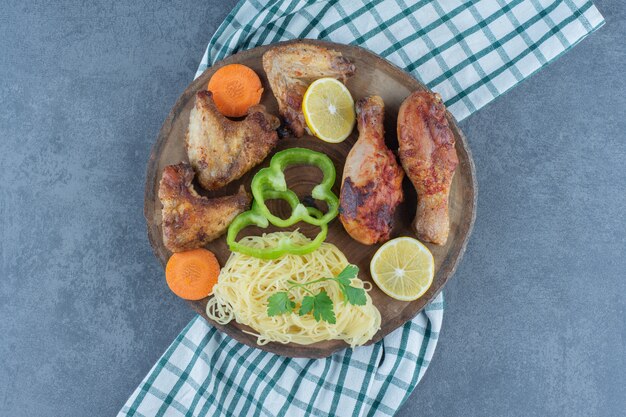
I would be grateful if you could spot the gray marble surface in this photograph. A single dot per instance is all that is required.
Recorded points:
(535, 322)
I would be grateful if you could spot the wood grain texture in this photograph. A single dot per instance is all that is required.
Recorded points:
(374, 76)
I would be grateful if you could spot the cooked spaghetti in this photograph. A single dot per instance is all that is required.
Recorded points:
(245, 284)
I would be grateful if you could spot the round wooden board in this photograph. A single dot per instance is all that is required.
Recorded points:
(374, 75)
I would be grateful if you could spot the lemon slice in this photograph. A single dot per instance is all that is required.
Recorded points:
(403, 268)
(328, 110)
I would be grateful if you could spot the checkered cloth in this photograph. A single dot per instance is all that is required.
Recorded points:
(469, 52)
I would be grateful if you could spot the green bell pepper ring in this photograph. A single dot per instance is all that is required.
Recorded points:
(284, 246)
(273, 178)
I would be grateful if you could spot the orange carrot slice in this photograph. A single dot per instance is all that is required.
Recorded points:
(192, 274)
(235, 88)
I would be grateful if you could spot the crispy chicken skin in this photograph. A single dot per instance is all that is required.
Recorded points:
(371, 188)
(190, 220)
(429, 159)
(292, 68)
(222, 150)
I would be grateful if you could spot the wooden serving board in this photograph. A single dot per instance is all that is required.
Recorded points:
(374, 75)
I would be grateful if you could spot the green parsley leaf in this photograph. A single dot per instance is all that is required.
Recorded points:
(323, 308)
(355, 296)
(349, 272)
(320, 305)
(279, 303)
(308, 303)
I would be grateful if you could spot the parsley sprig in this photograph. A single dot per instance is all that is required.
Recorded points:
(320, 304)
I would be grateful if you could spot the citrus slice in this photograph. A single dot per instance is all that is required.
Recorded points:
(403, 268)
(328, 110)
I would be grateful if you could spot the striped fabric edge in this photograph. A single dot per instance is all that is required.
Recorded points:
(536, 51)
(222, 374)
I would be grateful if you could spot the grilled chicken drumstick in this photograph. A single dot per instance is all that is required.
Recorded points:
(190, 220)
(428, 156)
(371, 188)
(222, 150)
(292, 68)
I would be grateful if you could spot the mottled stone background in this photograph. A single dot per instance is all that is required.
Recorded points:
(535, 322)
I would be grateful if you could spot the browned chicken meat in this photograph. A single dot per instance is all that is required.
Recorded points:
(371, 188)
(190, 220)
(222, 150)
(292, 68)
(429, 159)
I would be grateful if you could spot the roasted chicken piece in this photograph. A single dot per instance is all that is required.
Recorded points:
(371, 188)
(190, 220)
(428, 156)
(292, 68)
(221, 150)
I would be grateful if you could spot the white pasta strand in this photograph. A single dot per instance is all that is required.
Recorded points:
(245, 283)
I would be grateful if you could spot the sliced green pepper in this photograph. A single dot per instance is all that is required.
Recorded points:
(273, 178)
(270, 184)
(284, 246)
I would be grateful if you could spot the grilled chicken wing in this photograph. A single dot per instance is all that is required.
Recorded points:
(291, 68)
(429, 159)
(371, 188)
(221, 150)
(190, 220)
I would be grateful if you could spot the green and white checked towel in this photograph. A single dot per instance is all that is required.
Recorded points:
(468, 51)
